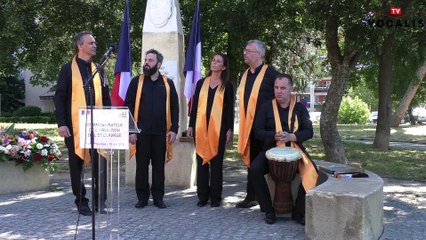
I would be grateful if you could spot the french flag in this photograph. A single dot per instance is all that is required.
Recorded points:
(123, 65)
(193, 56)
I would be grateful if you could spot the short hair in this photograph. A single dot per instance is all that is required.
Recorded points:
(157, 53)
(283, 75)
(78, 38)
(260, 46)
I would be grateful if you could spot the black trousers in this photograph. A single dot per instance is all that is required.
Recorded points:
(212, 174)
(258, 168)
(150, 149)
(255, 149)
(99, 166)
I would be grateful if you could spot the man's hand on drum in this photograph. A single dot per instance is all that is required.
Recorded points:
(285, 137)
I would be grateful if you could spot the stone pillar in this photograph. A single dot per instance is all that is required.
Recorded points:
(162, 30)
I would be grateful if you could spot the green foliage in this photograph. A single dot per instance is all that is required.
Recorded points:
(362, 91)
(27, 111)
(353, 110)
(12, 93)
(31, 119)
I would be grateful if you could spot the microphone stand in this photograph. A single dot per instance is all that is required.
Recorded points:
(88, 85)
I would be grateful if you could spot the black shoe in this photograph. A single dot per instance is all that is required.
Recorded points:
(270, 218)
(141, 204)
(215, 204)
(299, 218)
(246, 203)
(202, 203)
(159, 204)
(84, 210)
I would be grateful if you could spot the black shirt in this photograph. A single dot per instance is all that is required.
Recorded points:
(152, 108)
(228, 105)
(266, 91)
(63, 93)
(264, 125)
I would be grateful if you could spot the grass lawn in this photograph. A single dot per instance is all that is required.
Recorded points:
(394, 163)
(409, 164)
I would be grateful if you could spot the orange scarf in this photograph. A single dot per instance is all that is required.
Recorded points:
(78, 100)
(246, 119)
(307, 171)
(207, 137)
(169, 147)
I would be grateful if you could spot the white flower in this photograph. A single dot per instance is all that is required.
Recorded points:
(9, 147)
(27, 153)
(3, 149)
(39, 146)
(44, 152)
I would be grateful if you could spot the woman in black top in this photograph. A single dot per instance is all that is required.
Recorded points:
(211, 125)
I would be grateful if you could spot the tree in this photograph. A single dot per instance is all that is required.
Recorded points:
(412, 60)
(344, 35)
(12, 93)
(386, 61)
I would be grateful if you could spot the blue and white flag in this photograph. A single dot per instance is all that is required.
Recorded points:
(192, 67)
(123, 66)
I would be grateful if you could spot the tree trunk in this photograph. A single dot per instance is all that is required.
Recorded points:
(409, 95)
(341, 67)
(411, 117)
(333, 147)
(386, 62)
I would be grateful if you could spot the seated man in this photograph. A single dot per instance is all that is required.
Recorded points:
(291, 131)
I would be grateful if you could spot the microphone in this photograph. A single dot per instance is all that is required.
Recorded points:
(111, 48)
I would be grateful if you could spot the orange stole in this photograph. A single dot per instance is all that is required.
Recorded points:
(169, 147)
(78, 100)
(246, 119)
(207, 137)
(307, 171)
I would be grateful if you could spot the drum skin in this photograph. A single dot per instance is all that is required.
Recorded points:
(283, 164)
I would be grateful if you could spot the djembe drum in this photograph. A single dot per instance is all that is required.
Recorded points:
(283, 163)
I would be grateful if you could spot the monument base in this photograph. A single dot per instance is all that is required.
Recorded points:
(180, 172)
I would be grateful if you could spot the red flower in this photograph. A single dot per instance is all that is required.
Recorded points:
(50, 158)
(43, 139)
(37, 156)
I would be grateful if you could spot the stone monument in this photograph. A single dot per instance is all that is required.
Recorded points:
(162, 30)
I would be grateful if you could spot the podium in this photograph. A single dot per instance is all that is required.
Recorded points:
(111, 128)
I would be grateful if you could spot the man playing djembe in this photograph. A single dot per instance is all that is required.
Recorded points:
(283, 122)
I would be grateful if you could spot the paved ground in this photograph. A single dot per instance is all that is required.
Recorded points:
(51, 215)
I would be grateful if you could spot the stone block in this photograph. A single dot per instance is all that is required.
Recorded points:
(14, 179)
(345, 209)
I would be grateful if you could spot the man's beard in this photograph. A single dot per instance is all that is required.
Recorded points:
(149, 71)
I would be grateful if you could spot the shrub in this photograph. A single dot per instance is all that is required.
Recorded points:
(12, 92)
(27, 111)
(32, 119)
(353, 110)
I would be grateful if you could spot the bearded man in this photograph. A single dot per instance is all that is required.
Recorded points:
(153, 101)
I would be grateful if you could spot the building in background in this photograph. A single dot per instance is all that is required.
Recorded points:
(37, 96)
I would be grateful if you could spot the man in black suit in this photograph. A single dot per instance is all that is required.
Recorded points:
(153, 101)
(256, 87)
(69, 97)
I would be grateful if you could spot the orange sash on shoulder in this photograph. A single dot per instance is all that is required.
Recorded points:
(207, 137)
(307, 171)
(169, 147)
(78, 100)
(246, 119)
